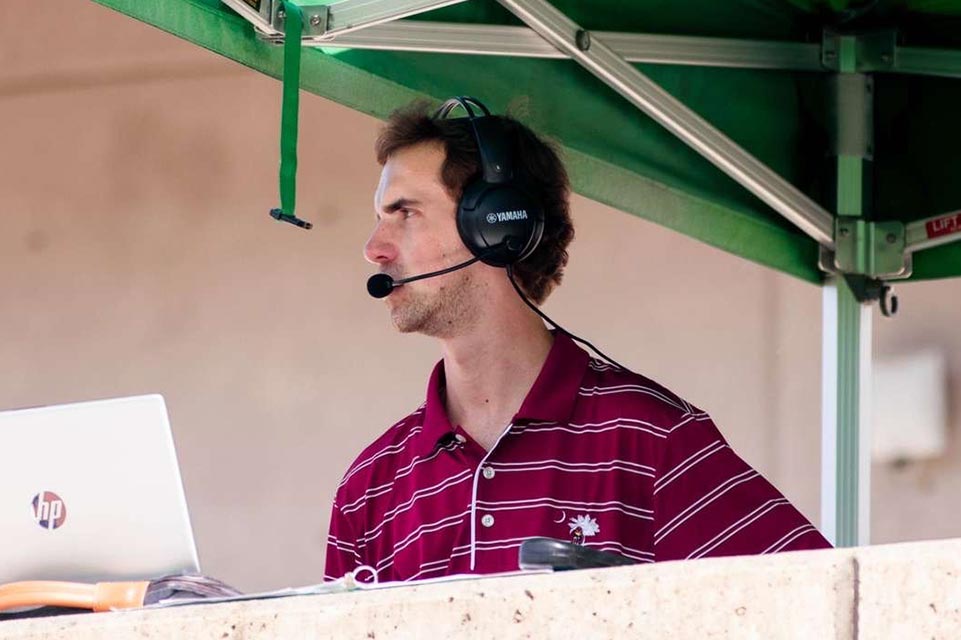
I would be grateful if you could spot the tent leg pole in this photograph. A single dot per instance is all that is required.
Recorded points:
(846, 395)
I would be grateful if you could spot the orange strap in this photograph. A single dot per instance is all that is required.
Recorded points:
(102, 596)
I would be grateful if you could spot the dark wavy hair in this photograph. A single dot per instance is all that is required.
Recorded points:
(536, 162)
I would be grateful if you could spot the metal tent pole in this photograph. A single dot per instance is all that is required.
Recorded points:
(499, 40)
(845, 419)
(931, 232)
(846, 322)
(332, 19)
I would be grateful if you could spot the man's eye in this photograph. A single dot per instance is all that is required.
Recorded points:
(406, 213)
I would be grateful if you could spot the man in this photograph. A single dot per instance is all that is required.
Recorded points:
(523, 434)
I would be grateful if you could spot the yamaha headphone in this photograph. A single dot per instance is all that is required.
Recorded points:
(497, 218)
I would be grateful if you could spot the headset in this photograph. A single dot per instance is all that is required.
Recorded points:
(497, 218)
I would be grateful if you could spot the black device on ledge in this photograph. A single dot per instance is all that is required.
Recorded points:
(548, 553)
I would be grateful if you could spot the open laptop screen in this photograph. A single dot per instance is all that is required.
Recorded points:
(92, 491)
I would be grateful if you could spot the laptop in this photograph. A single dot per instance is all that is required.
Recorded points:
(92, 492)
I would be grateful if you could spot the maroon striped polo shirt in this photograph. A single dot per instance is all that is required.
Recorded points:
(596, 454)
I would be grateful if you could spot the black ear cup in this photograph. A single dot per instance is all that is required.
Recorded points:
(496, 218)
(499, 223)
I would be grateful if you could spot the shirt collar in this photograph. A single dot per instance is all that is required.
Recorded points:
(436, 423)
(554, 393)
(551, 398)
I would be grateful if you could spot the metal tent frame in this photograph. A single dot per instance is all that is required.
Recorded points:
(860, 255)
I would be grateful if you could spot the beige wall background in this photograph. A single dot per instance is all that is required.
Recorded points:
(136, 172)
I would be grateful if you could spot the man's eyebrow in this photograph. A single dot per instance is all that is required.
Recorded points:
(400, 203)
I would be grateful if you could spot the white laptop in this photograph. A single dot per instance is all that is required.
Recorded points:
(92, 492)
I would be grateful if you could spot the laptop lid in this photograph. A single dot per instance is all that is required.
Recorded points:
(92, 492)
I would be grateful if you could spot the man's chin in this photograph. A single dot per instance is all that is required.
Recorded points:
(404, 329)
(401, 318)
(405, 325)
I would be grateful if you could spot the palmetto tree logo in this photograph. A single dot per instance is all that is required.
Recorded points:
(583, 527)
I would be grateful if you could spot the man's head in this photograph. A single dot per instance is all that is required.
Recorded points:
(427, 163)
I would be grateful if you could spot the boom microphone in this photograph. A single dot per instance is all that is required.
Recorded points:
(380, 285)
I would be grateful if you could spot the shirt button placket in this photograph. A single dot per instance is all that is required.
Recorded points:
(487, 520)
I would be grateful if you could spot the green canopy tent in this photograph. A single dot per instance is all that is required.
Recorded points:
(816, 137)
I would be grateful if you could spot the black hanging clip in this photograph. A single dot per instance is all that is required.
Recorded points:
(871, 289)
(278, 214)
(889, 302)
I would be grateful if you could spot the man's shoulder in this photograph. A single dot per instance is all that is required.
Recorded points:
(391, 450)
(625, 393)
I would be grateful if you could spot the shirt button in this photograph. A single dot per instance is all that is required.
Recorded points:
(488, 520)
(488, 472)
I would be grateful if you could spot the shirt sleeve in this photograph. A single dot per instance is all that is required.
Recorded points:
(342, 554)
(709, 502)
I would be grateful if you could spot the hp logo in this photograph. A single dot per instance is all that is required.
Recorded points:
(49, 511)
(491, 218)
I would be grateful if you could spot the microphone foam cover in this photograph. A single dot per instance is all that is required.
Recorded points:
(380, 285)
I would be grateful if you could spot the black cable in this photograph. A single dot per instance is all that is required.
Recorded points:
(510, 276)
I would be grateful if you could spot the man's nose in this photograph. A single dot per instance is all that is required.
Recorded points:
(380, 248)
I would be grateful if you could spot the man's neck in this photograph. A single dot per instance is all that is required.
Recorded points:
(490, 370)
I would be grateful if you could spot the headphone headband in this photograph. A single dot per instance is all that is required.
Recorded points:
(460, 101)
(496, 162)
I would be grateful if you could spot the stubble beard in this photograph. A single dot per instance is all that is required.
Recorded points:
(440, 313)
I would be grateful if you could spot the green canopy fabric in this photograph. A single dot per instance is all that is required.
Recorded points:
(620, 157)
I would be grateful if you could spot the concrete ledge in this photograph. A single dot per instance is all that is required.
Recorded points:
(909, 590)
(903, 591)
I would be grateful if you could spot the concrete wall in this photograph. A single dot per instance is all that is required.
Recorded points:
(136, 172)
(905, 591)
